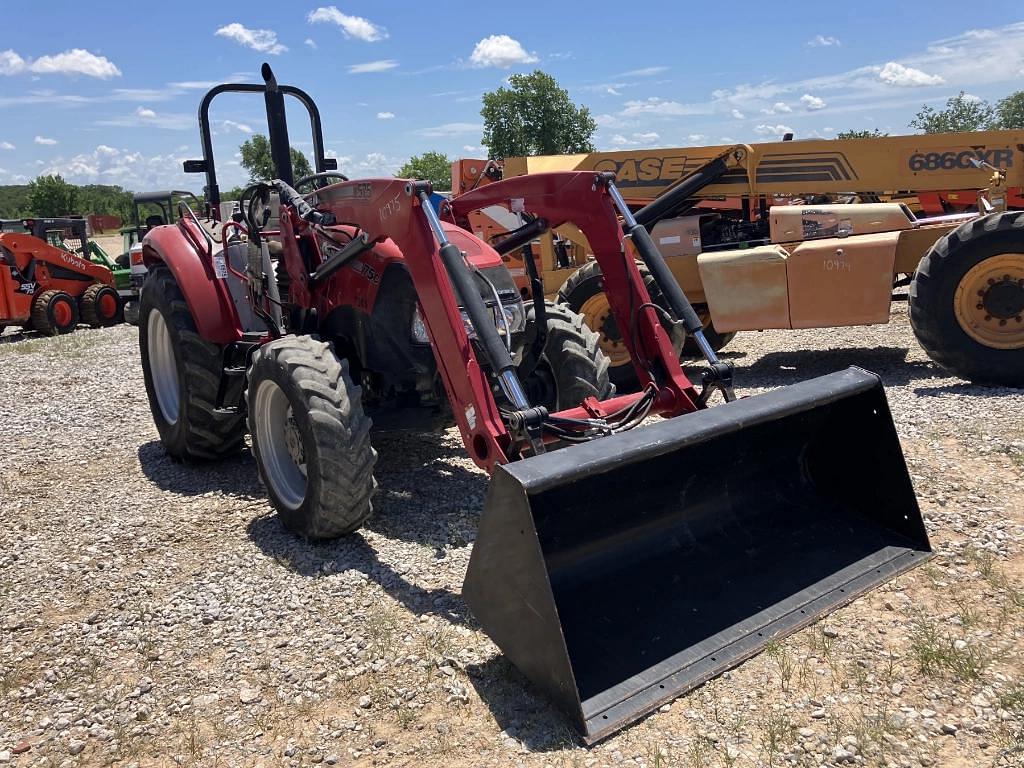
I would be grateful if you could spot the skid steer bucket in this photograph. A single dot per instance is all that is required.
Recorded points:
(621, 573)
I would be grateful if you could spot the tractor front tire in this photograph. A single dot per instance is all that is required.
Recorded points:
(54, 313)
(583, 293)
(572, 366)
(311, 437)
(967, 300)
(182, 373)
(100, 306)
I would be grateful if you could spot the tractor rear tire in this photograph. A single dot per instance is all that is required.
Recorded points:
(182, 373)
(572, 366)
(583, 293)
(100, 306)
(967, 300)
(54, 313)
(311, 437)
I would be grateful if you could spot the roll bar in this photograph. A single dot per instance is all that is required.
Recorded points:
(277, 125)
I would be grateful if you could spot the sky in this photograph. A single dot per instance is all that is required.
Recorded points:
(110, 95)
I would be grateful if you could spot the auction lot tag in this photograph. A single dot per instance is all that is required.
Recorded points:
(220, 267)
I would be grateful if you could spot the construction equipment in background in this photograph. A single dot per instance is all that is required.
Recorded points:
(753, 235)
(149, 209)
(47, 285)
(743, 522)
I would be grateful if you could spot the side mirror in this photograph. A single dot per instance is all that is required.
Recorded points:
(330, 164)
(194, 166)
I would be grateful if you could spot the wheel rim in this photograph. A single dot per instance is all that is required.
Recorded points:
(280, 444)
(162, 367)
(989, 302)
(62, 313)
(597, 314)
(107, 306)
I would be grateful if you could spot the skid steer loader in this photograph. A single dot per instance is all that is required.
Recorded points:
(617, 563)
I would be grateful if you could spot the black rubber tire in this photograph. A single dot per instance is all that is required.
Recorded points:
(43, 313)
(587, 282)
(715, 339)
(326, 406)
(200, 433)
(572, 364)
(932, 293)
(89, 307)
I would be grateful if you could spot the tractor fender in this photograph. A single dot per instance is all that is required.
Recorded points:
(207, 298)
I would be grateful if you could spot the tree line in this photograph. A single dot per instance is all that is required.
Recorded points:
(962, 113)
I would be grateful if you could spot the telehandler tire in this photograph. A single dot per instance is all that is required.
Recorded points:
(100, 306)
(967, 300)
(182, 373)
(54, 313)
(572, 366)
(311, 437)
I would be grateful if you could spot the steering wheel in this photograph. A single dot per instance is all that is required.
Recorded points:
(323, 176)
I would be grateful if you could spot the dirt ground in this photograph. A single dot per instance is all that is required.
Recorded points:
(154, 613)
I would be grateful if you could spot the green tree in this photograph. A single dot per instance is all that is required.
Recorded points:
(51, 196)
(257, 161)
(873, 134)
(534, 116)
(962, 113)
(434, 167)
(1009, 112)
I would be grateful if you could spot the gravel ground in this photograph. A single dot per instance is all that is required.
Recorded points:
(153, 613)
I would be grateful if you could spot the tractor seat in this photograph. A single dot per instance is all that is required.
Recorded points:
(156, 220)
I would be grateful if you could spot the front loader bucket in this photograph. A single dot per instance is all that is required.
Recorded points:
(621, 573)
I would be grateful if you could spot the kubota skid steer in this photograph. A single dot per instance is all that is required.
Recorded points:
(617, 564)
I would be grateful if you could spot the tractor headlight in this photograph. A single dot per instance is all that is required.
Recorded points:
(515, 316)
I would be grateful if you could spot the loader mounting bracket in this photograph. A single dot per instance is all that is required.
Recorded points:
(717, 377)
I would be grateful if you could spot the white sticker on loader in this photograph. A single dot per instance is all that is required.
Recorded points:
(471, 416)
(517, 204)
(670, 240)
(220, 267)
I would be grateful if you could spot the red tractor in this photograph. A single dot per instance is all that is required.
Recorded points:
(45, 286)
(617, 563)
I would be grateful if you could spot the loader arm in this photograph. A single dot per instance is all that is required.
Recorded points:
(388, 209)
(583, 199)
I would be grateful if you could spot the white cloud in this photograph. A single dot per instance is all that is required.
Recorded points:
(812, 103)
(106, 151)
(971, 98)
(637, 139)
(350, 26)
(143, 117)
(46, 142)
(262, 40)
(385, 115)
(500, 51)
(75, 61)
(894, 73)
(779, 107)
(644, 72)
(11, 63)
(145, 113)
(310, 42)
(737, 114)
(696, 138)
(823, 41)
(610, 90)
(241, 127)
(772, 130)
(6, 145)
(372, 66)
(470, 149)
(658, 106)
(450, 129)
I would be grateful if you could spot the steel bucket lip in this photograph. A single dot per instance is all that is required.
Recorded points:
(538, 474)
